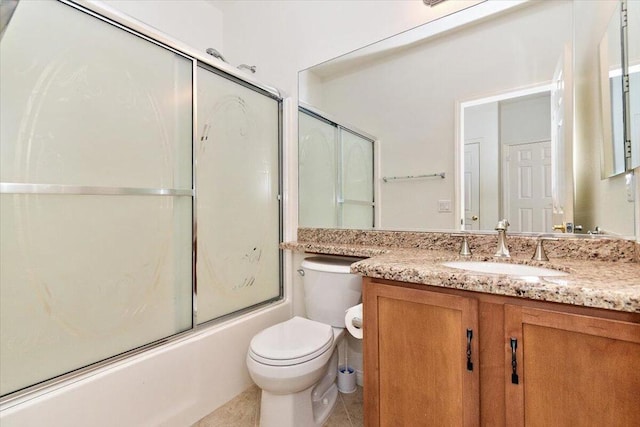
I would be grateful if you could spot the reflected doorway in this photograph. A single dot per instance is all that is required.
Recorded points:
(472, 185)
(507, 161)
(527, 189)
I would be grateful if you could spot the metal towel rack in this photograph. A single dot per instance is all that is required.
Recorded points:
(430, 175)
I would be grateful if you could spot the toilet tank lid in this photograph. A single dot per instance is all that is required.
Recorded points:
(329, 264)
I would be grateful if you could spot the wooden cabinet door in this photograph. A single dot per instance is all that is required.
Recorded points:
(572, 370)
(415, 358)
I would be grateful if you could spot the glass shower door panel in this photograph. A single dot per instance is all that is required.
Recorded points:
(357, 216)
(317, 172)
(85, 278)
(357, 181)
(86, 103)
(237, 184)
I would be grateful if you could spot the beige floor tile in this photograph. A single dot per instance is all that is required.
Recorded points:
(239, 412)
(258, 400)
(353, 404)
(244, 411)
(339, 416)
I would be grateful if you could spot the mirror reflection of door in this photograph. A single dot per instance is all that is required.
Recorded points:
(481, 183)
(472, 185)
(516, 129)
(527, 201)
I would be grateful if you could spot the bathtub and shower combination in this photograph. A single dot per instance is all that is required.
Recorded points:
(140, 189)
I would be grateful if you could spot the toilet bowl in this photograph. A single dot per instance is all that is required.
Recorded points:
(295, 362)
(298, 385)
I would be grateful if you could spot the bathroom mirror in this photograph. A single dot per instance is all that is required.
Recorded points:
(612, 97)
(633, 62)
(418, 90)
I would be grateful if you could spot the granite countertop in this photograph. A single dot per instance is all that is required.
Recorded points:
(608, 284)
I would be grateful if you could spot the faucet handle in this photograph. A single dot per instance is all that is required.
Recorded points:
(560, 227)
(465, 251)
(503, 224)
(596, 230)
(540, 254)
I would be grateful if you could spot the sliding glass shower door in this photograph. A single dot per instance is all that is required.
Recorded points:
(335, 174)
(98, 225)
(96, 202)
(317, 172)
(237, 193)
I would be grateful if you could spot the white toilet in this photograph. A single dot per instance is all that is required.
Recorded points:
(295, 362)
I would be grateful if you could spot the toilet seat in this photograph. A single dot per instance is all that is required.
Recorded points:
(292, 342)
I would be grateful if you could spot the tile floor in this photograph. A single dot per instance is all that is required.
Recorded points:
(244, 411)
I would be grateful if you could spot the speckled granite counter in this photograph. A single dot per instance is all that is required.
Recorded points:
(612, 284)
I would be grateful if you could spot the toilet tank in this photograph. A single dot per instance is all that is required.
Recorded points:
(330, 289)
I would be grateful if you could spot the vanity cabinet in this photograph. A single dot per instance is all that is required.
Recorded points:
(570, 369)
(438, 356)
(417, 345)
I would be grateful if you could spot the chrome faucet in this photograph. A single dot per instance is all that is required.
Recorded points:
(503, 250)
(540, 254)
(464, 247)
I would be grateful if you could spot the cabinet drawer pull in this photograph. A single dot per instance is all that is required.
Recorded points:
(514, 362)
(469, 362)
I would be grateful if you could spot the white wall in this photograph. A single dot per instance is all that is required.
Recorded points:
(525, 119)
(178, 383)
(197, 23)
(283, 37)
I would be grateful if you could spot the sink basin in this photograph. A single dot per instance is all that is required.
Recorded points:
(504, 268)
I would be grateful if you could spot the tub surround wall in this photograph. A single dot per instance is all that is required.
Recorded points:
(603, 273)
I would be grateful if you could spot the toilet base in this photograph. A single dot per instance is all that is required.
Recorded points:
(297, 409)
(310, 407)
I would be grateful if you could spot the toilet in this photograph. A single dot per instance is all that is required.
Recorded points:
(295, 362)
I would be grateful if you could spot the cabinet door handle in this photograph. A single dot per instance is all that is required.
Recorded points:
(469, 362)
(514, 362)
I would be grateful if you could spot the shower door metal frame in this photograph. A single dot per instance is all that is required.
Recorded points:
(115, 18)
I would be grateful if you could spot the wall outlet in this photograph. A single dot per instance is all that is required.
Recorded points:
(444, 205)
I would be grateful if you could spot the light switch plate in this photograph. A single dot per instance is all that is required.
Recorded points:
(444, 205)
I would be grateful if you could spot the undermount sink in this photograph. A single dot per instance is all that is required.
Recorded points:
(504, 268)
